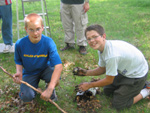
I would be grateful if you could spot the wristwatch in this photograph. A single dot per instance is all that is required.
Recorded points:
(87, 1)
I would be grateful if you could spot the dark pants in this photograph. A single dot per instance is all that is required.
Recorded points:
(27, 94)
(124, 90)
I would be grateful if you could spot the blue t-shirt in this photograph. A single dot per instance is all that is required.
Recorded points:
(36, 57)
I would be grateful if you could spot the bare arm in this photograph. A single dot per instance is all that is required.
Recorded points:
(55, 76)
(54, 81)
(93, 72)
(106, 81)
(96, 72)
(103, 82)
(18, 74)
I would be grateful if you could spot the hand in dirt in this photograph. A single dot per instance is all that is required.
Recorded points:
(17, 77)
(77, 88)
(84, 86)
(79, 71)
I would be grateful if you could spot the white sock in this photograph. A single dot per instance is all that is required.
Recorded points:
(144, 92)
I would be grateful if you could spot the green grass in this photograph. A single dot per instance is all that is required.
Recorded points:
(126, 20)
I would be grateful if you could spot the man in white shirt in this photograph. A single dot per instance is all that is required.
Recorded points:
(124, 65)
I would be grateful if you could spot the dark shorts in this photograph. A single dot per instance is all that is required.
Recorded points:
(123, 90)
(27, 94)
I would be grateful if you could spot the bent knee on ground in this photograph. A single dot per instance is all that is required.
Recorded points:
(119, 104)
(27, 96)
(108, 92)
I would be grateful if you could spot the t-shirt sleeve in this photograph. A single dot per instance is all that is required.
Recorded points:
(53, 55)
(101, 63)
(17, 55)
(112, 66)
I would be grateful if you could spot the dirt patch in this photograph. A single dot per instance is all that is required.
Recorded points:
(87, 101)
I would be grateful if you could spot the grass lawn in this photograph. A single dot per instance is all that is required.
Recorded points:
(127, 20)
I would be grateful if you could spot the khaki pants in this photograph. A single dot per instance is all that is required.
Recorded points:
(74, 20)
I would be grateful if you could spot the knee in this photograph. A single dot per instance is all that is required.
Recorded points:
(117, 105)
(27, 96)
(120, 104)
(107, 92)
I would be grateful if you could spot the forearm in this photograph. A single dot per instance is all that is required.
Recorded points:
(18, 75)
(96, 72)
(55, 76)
(19, 68)
(100, 83)
(103, 82)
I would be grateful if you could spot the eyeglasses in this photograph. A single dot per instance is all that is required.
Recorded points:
(32, 31)
(94, 37)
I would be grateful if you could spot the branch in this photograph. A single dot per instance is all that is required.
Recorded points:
(32, 88)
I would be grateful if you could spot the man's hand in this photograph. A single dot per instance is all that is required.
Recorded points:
(84, 86)
(17, 78)
(86, 7)
(46, 94)
(79, 71)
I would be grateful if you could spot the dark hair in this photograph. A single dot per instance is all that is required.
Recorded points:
(98, 28)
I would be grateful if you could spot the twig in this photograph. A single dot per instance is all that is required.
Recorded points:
(33, 89)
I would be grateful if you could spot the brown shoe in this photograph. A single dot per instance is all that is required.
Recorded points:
(82, 50)
(66, 47)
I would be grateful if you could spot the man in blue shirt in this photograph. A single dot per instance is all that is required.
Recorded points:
(36, 58)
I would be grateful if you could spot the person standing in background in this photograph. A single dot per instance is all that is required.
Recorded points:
(6, 16)
(74, 19)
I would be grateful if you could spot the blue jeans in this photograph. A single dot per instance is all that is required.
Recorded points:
(6, 16)
(27, 94)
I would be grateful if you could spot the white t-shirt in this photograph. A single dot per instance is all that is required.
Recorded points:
(122, 57)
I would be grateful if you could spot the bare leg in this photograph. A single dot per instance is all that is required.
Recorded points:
(137, 98)
(144, 93)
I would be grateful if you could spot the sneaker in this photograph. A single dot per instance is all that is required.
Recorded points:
(67, 47)
(8, 49)
(54, 96)
(147, 85)
(145, 92)
(82, 50)
(148, 91)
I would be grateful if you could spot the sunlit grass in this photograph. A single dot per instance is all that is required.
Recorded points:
(126, 20)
